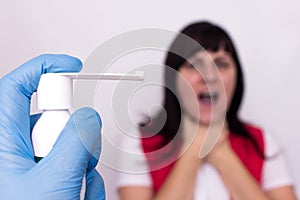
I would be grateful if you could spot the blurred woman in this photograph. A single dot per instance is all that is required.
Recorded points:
(197, 147)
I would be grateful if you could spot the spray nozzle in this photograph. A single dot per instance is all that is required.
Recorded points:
(55, 90)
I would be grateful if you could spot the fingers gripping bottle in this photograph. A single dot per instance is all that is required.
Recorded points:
(54, 97)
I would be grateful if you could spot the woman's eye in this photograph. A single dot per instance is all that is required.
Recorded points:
(197, 65)
(222, 64)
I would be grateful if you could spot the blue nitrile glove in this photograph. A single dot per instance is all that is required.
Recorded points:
(59, 175)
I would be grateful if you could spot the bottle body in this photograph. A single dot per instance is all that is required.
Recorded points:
(46, 131)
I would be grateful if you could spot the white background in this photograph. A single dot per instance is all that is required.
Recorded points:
(266, 33)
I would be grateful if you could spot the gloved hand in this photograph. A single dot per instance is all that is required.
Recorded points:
(59, 175)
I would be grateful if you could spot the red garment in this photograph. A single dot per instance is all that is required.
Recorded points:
(161, 158)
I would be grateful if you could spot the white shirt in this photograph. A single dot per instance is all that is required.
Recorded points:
(209, 185)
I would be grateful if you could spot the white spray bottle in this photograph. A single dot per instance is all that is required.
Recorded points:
(54, 97)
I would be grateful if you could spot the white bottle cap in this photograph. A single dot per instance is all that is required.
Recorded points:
(54, 92)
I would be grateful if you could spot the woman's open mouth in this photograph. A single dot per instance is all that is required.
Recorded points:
(208, 97)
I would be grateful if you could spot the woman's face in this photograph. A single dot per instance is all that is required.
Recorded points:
(206, 84)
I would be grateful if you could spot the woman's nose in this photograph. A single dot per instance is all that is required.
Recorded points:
(210, 74)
